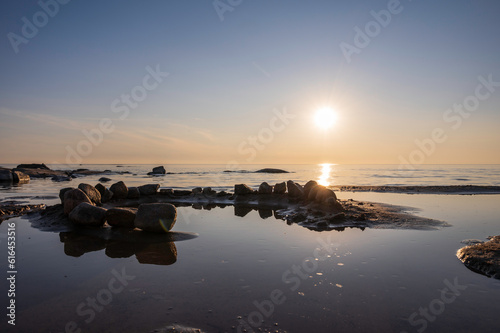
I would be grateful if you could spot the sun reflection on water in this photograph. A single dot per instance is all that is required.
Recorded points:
(324, 178)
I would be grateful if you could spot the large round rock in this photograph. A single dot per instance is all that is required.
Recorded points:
(120, 190)
(88, 214)
(73, 198)
(121, 217)
(155, 217)
(91, 192)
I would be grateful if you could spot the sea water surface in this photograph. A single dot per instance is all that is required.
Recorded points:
(255, 274)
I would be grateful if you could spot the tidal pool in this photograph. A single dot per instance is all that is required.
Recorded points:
(226, 273)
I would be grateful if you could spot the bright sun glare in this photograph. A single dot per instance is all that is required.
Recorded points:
(325, 118)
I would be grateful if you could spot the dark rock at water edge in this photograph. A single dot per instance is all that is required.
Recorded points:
(280, 188)
(13, 176)
(88, 214)
(242, 189)
(159, 170)
(91, 192)
(155, 217)
(271, 170)
(308, 186)
(121, 217)
(104, 179)
(120, 190)
(133, 193)
(483, 258)
(63, 191)
(73, 198)
(101, 188)
(265, 188)
(294, 189)
(149, 189)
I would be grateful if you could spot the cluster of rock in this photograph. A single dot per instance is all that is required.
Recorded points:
(13, 176)
(83, 206)
(311, 192)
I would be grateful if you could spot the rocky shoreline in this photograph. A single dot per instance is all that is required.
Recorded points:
(312, 206)
(446, 189)
(482, 257)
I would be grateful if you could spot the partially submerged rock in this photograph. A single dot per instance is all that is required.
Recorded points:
(121, 217)
(73, 198)
(271, 170)
(159, 170)
(149, 189)
(265, 188)
(483, 258)
(88, 214)
(156, 217)
(242, 189)
(13, 176)
(91, 192)
(120, 190)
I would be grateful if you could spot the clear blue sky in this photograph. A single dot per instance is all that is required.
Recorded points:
(226, 78)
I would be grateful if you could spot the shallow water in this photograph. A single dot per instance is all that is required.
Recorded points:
(228, 273)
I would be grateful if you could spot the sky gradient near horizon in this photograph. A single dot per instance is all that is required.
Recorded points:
(89, 84)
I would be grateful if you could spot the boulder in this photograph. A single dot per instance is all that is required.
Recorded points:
(133, 193)
(91, 192)
(149, 189)
(101, 188)
(294, 189)
(155, 217)
(280, 188)
(104, 179)
(265, 188)
(197, 190)
(73, 198)
(119, 190)
(159, 170)
(121, 217)
(88, 214)
(6, 176)
(313, 191)
(308, 186)
(324, 194)
(108, 195)
(242, 189)
(63, 191)
(20, 177)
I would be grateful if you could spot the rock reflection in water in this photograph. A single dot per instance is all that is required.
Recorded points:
(147, 248)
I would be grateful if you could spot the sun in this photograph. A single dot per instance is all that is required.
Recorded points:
(325, 118)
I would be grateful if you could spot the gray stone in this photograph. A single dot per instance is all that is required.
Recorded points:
(159, 170)
(265, 188)
(133, 193)
(119, 190)
(324, 194)
(155, 217)
(73, 198)
(166, 191)
(280, 188)
(108, 195)
(101, 188)
(63, 191)
(121, 217)
(91, 192)
(208, 191)
(6, 176)
(308, 186)
(197, 190)
(149, 189)
(242, 189)
(88, 214)
(20, 177)
(294, 189)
